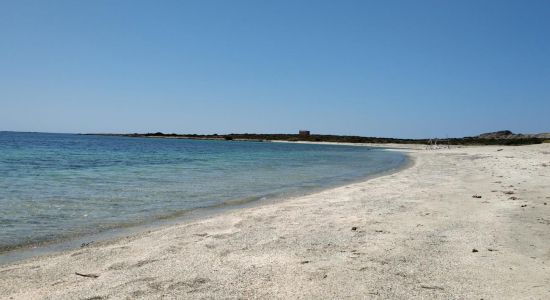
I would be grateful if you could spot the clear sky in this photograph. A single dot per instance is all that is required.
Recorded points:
(372, 68)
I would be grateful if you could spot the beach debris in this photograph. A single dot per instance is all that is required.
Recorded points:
(401, 274)
(303, 262)
(354, 228)
(431, 287)
(523, 205)
(86, 244)
(513, 198)
(499, 150)
(475, 250)
(374, 293)
(545, 203)
(491, 249)
(476, 196)
(87, 275)
(509, 192)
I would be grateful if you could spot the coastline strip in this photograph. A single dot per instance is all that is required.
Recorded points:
(409, 235)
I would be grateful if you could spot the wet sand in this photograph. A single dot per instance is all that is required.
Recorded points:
(461, 223)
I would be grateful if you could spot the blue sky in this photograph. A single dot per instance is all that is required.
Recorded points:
(372, 68)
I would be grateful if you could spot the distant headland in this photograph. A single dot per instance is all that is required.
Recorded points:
(504, 137)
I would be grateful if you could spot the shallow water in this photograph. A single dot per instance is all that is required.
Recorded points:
(55, 186)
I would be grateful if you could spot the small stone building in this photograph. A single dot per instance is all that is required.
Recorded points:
(304, 133)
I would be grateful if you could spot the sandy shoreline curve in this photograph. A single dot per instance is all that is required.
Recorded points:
(115, 232)
(461, 223)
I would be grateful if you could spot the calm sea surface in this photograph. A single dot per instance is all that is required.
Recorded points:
(55, 186)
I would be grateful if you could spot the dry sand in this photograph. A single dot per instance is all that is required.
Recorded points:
(401, 236)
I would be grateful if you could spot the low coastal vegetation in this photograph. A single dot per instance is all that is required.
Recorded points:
(494, 138)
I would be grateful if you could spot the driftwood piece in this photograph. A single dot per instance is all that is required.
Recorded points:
(430, 287)
(87, 275)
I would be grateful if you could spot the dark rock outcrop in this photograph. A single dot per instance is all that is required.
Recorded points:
(507, 134)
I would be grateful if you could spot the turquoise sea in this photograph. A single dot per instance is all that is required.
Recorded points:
(58, 186)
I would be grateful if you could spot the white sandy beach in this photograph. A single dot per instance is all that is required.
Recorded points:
(406, 235)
